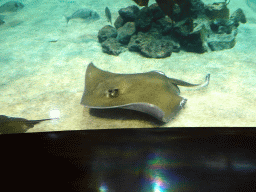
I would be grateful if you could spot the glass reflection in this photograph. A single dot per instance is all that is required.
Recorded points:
(158, 176)
(103, 187)
(244, 166)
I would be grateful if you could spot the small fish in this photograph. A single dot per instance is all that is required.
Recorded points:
(86, 14)
(108, 14)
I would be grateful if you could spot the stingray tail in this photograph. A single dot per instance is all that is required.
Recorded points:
(186, 84)
(206, 82)
(31, 123)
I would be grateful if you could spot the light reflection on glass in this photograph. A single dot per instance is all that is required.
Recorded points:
(55, 115)
(215, 162)
(103, 187)
(158, 174)
(244, 166)
(53, 135)
(222, 162)
(157, 188)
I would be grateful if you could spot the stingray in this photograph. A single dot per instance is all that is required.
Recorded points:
(152, 92)
(16, 124)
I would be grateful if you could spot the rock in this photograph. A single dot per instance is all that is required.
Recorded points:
(125, 32)
(184, 27)
(141, 39)
(135, 43)
(144, 19)
(218, 42)
(129, 13)
(112, 46)
(157, 13)
(165, 25)
(217, 11)
(157, 49)
(119, 22)
(221, 26)
(238, 16)
(192, 43)
(151, 46)
(197, 8)
(107, 32)
(148, 31)
(203, 31)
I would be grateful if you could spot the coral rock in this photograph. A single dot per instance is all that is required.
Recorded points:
(107, 32)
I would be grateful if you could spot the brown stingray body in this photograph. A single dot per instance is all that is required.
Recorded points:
(16, 124)
(152, 92)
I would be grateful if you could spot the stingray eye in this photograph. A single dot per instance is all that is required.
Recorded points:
(112, 93)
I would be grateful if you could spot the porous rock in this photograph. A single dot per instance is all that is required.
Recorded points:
(164, 25)
(106, 32)
(156, 11)
(112, 47)
(129, 13)
(217, 11)
(125, 32)
(218, 42)
(144, 19)
(202, 28)
(152, 45)
(238, 16)
(119, 22)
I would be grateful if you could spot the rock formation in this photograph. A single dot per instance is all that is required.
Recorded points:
(154, 35)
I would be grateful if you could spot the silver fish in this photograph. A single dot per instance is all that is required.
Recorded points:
(86, 14)
(108, 14)
(11, 6)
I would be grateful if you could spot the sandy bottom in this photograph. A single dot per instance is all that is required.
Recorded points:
(38, 76)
